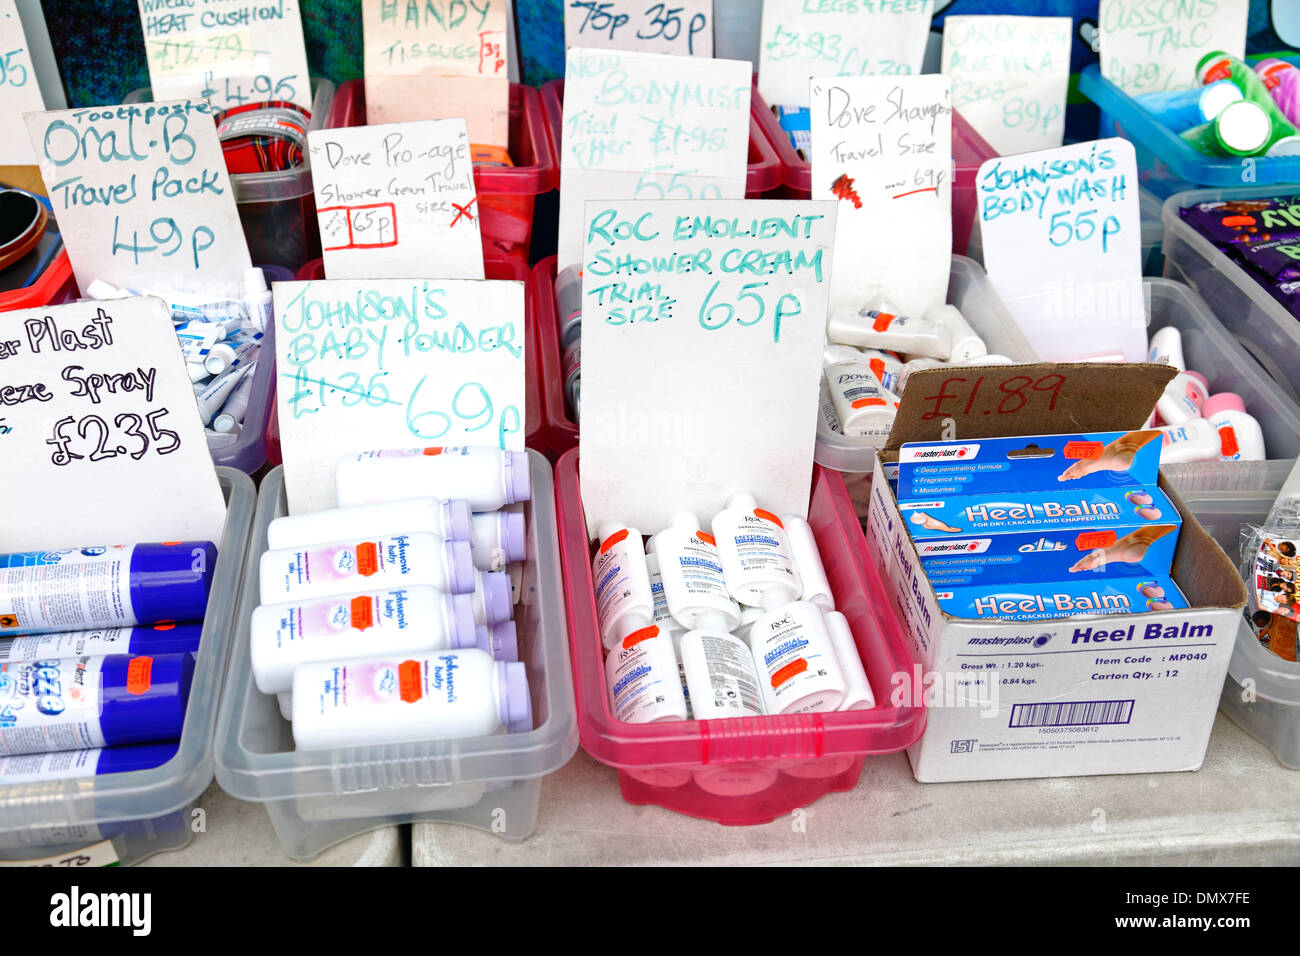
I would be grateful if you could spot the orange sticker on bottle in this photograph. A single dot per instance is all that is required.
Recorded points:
(1092, 540)
(1083, 449)
(139, 675)
(768, 516)
(612, 540)
(877, 368)
(164, 626)
(1228, 438)
(408, 681)
(883, 320)
(636, 637)
(793, 669)
(707, 538)
(367, 559)
(363, 612)
(868, 402)
(432, 451)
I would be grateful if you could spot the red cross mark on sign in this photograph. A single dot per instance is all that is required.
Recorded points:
(463, 210)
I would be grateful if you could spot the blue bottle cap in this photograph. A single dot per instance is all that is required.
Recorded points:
(169, 582)
(144, 697)
(166, 638)
(137, 757)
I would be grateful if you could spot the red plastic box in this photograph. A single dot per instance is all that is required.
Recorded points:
(969, 151)
(762, 176)
(744, 771)
(56, 286)
(495, 266)
(506, 194)
(560, 428)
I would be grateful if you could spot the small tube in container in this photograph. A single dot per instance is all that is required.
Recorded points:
(1166, 348)
(863, 406)
(828, 422)
(808, 562)
(857, 689)
(879, 326)
(966, 342)
(227, 354)
(213, 395)
(448, 519)
(485, 477)
(257, 299)
(351, 565)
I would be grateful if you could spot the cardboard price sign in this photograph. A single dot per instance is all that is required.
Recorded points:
(1148, 47)
(703, 329)
(95, 405)
(393, 363)
(685, 29)
(20, 92)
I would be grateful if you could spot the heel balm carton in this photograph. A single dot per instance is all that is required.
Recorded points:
(1029, 693)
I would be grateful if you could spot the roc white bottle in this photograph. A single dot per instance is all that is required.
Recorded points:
(796, 661)
(808, 562)
(643, 679)
(355, 565)
(485, 477)
(691, 570)
(445, 519)
(755, 554)
(720, 676)
(857, 689)
(395, 700)
(623, 600)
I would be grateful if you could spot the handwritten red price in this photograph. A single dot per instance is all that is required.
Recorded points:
(965, 395)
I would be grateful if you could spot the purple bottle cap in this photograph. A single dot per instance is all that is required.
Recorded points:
(504, 640)
(517, 480)
(514, 705)
(458, 610)
(460, 567)
(498, 603)
(514, 536)
(456, 517)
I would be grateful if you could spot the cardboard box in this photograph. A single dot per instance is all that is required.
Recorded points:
(1089, 694)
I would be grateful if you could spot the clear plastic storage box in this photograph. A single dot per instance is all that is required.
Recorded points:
(1261, 323)
(278, 208)
(750, 770)
(125, 817)
(318, 798)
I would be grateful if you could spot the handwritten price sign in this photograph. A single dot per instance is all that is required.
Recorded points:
(684, 28)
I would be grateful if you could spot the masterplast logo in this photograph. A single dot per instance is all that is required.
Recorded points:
(939, 453)
(965, 546)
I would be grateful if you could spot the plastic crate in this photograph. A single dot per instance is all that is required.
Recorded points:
(506, 194)
(969, 151)
(1261, 693)
(277, 209)
(144, 811)
(1261, 323)
(750, 770)
(496, 265)
(1166, 163)
(762, 176)
(318, 798)
(56, 286)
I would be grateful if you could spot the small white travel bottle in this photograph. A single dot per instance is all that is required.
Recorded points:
(720, 676)
(755, 554)
(1182, 398)
(857, 693)
(796, 662)
(391, 700)
(879, 326)
(691, 571)
(446, 519)
(643, 679)
(1194, 440)
(1167, 348)
(1239, 433)
(863, 406)
(624, 602)
(808, 562)
(485, 477)
(491, 598)
(498, 538)
(966, 343)
(339, 567)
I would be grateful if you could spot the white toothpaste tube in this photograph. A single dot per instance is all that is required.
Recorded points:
(236, 406)
(214, 394)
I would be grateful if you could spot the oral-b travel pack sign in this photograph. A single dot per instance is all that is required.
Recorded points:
(1050, 508)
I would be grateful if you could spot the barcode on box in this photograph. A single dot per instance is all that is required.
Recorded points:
(6, 645)
(1079, 713)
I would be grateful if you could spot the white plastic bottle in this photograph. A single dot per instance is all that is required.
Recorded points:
(624, 602)
(1166, 348)
(498, 538)
(863, 406)
(828, 422)
(396, 621)
(643, 679)
(755, 554)
(691, 570)
(796, 662)
(1240, 436)
(808, 562)
(258, 299)
(887, 368)
(491, 597)
(445, 519)
(390, 561)
(857, 689)
(966, 343)
(720, 676)
(663, 617)
(878, 326)
(1182, 398)
(387, 700)
(485, 477)
(1195, 440)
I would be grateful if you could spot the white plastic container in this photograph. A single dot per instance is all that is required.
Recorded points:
(257, 299)
(863, 406)
(396, 621)
(1240, 436)
(880, 327)
(624, 602)
(857, 693)
(663, 618)
(755, 554)
(498, 538)
(445, 519)
(691, 570)
(808, 563)
(966, 344)
(382, 700)
(1195, 440)
(720, 676)
(1182, 398)
(796, 662)
(1166, 348)
(485, 477)
(643, 679)
(828, 420)
(339, 567)
(492, 597)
